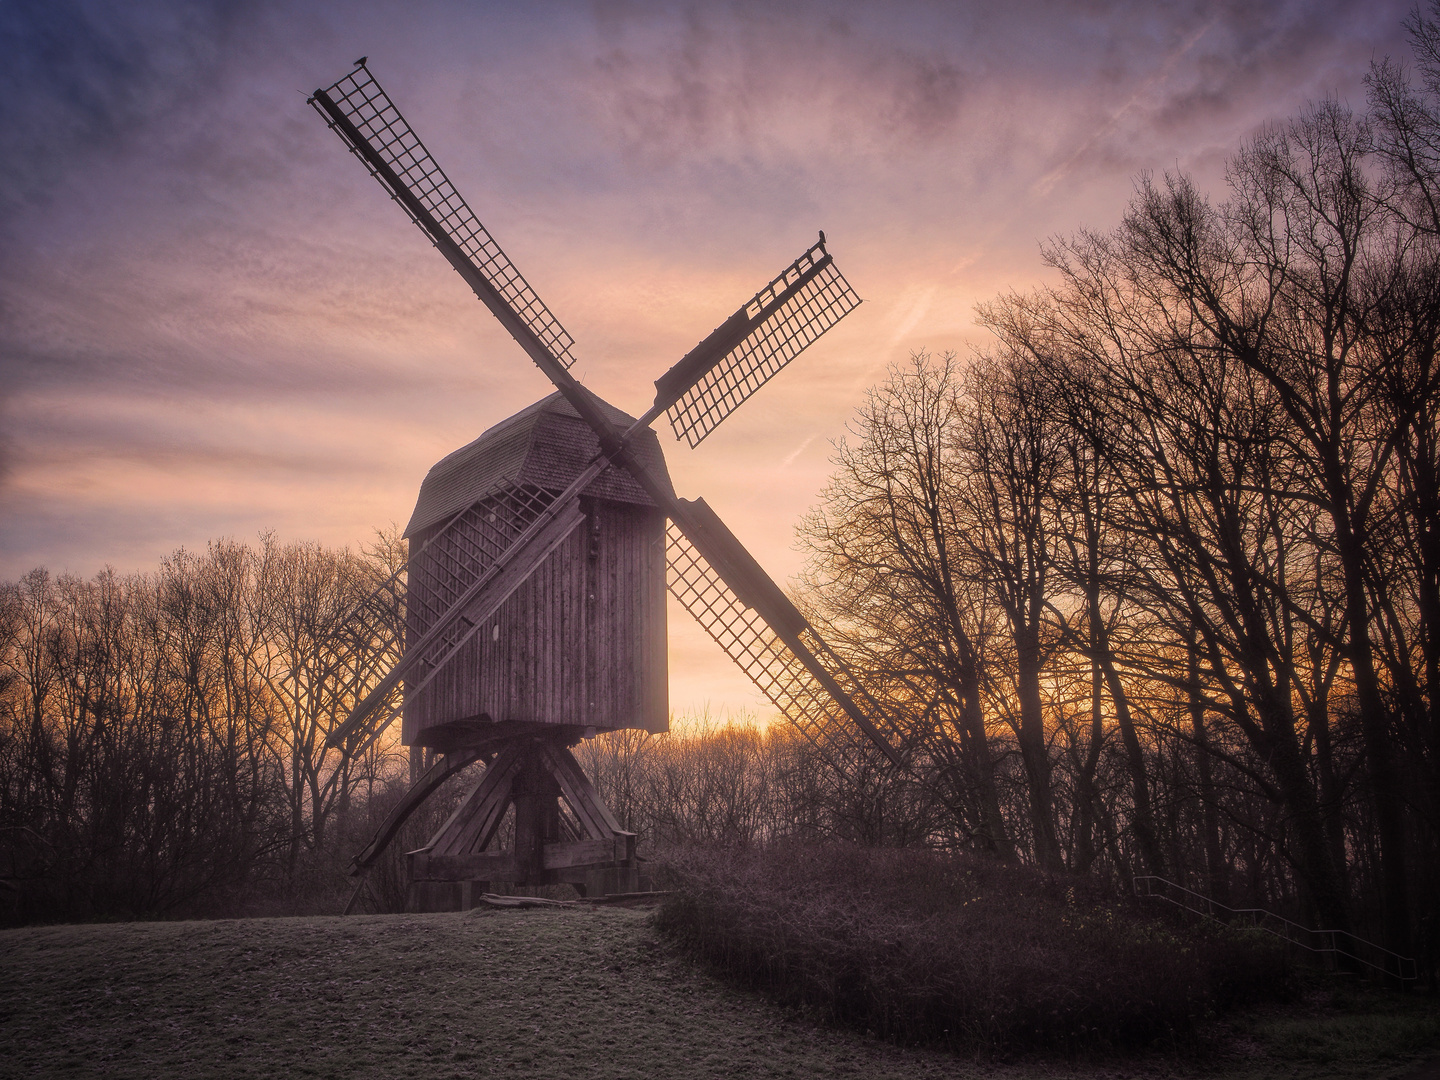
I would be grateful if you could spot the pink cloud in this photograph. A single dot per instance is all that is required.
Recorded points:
(212, 322)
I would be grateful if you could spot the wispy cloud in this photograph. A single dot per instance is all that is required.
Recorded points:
(790, 457)
(213, 322)
(1046, 184)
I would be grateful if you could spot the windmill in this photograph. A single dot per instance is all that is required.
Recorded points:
(539, 556)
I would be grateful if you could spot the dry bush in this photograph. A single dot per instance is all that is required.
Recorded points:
(920, 946)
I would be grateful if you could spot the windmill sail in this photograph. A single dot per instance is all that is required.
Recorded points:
(368, 642)
(715, 577)
(362, 114)
(772, 642)
(371, 637)
(750, 348)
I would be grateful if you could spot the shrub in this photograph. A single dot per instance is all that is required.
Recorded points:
(918, 946)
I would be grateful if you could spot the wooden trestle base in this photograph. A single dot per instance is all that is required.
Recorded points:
(534, 774)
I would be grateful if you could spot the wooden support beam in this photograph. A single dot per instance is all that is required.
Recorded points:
(580, 793)
(533, 774)
(442, 769)
(476, 866)
(502, 865)
(594, 823)
(616, 849)
(537, 811)
(475, 820)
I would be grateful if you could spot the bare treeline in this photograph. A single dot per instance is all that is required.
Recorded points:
(1155, 580)
(739, 781)
(1153, 585)
(161, 742)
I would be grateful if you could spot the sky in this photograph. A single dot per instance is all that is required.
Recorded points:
(214, 323)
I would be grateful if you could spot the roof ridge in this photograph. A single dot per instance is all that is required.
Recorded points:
(546, 443)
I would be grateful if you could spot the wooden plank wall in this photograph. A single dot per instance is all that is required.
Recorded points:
(552, 654)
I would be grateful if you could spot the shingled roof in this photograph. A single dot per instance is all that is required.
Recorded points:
(546, 444)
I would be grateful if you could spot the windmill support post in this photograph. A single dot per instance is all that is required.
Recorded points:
(534, 775)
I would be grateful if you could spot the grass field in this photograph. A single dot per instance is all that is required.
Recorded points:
(578, 992)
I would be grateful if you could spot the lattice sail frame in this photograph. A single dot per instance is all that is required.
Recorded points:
(361, 99)
(817, 306)
(759, 652)
(468, 545)
(368, 644)
(447, 565)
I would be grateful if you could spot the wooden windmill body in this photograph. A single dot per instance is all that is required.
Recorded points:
(578, 648)
(581, 642)
(540, 553)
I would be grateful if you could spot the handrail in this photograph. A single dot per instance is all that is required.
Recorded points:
(1404, 968)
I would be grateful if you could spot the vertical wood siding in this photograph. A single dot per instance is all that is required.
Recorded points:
(561, 657)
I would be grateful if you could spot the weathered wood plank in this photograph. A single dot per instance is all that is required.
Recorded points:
(443, 768)
(568, 771)
(579, 853)
(595, 823)
(493, 900)
(477, 812)
(479, 830)
(476, 866)
(549, 651)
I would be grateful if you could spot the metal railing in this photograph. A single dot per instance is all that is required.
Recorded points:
(1329, 943)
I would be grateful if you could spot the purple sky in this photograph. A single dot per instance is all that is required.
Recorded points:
(212, 321)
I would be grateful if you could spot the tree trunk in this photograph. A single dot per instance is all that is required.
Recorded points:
(1143, 824)
(1389, 798)
(1216, 870)
(1033, 750)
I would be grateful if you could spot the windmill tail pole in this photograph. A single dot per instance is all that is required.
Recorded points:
(443, 768)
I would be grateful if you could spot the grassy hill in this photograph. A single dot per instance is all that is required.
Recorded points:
(578, 992)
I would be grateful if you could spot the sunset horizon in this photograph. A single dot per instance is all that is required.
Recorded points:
(217, 326)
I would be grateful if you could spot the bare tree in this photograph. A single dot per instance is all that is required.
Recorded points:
(887, 552)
